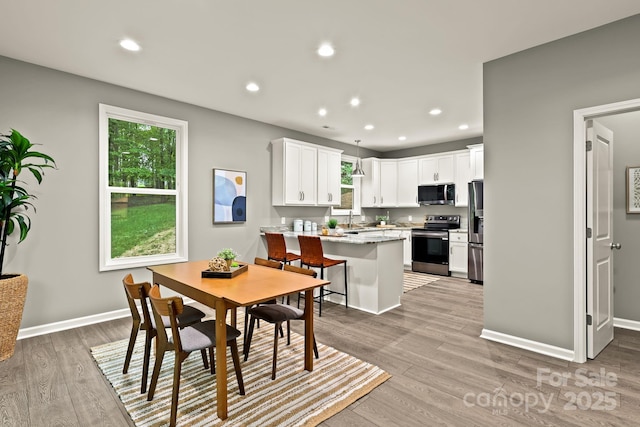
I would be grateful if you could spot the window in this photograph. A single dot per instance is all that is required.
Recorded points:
(143, 189)
(349, 189)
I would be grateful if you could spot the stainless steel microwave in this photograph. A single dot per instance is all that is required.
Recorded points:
(437, 194)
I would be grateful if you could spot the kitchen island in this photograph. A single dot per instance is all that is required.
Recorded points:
(374, 268)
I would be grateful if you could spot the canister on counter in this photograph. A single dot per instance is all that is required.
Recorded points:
(307, 225)
(297, 225)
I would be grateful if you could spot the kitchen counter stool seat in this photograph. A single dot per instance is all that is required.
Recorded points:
(312, 255)
(277, 249)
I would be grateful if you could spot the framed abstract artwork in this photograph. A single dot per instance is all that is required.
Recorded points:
(229, 196)
(633, 189)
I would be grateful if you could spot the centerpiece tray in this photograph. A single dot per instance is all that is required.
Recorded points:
(241, 268)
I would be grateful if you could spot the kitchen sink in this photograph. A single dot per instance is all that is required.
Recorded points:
(351, 232)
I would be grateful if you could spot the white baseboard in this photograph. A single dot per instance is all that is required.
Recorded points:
(49, 328)
(634, 325)
(72, 323)
(537, 347)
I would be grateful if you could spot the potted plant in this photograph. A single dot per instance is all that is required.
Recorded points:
(16, 156)
(228, 255)
(332, 223)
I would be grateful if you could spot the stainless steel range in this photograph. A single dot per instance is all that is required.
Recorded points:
(430, 244)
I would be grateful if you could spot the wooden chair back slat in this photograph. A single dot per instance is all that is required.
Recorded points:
(300, 270)
(267, 263)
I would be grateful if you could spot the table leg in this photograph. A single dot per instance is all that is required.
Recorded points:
(234, 317)
(221, 358)
(308, 330)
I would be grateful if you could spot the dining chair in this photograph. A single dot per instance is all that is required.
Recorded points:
(266, 263)
(277, 249)
(277, 314)
(183, 341)
(138, 293)
(312, 255)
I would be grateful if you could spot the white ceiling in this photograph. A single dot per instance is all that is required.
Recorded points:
(401, 57)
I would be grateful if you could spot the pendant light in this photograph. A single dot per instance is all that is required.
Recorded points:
(358, 170)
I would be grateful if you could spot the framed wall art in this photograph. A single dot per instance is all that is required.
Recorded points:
(633, 189)
(229, 196)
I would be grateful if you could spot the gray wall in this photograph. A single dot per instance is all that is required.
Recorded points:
(432, 148)
(60, 256)
(626, 227)
(529, 98)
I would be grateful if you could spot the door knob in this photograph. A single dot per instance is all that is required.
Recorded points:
(616, 246)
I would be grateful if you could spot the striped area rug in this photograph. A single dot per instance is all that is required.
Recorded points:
(413, 280)
(295, 398)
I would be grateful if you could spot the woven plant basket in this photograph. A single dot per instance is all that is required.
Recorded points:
(13, 292)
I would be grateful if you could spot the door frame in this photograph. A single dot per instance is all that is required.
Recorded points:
(579, 217)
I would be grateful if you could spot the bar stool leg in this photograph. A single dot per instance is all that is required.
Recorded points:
(321, 292)
(346, 298)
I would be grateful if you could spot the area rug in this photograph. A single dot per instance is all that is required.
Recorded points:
(413, 280)
(295, 398)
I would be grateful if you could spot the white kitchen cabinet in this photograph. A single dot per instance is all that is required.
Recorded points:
(476, 153)
(408, 182)
(437, 169)
(370, 183)
(380, 183)
(300, 170)
(329, 162)
(294, 172)
(458, 253)
(388, 183)
(463, 176)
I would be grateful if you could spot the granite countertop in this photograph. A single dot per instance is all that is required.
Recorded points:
(359, 239)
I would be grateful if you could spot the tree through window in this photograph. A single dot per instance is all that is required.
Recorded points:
(143, 209)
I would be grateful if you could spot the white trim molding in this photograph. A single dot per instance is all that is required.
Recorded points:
(537, 347)
(78, 322)
(633, 325)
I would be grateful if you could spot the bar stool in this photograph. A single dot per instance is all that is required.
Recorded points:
(312, 255)
(277, 249)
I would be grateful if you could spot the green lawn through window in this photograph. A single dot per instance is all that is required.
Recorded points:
(143, 230)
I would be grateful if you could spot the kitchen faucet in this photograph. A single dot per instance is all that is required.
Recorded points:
(350, 218)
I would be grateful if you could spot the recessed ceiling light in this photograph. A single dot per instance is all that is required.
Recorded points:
(129, 45)
(463, 126)
(354, 102)
(322, 112)
(368, 127)
(326, 50)
(252, 87)
(435, 111)
(402, 138)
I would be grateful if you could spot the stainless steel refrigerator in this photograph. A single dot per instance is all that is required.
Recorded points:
(476, 225)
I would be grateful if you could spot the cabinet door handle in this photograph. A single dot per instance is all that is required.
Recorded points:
(302, 192)
(374, 200)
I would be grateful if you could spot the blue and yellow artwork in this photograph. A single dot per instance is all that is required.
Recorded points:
(229, 196)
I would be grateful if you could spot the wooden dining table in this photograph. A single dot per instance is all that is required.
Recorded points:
(257, 284)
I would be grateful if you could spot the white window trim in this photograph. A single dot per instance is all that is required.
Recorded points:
(181, 191)
(357, 184)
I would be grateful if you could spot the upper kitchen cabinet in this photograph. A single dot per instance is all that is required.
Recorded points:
(370, 183)
(294, 169)
(477, 161)
(408, 182)
(388, 183)
(436, 169)
(329, 177)
(379, 183)
(463, 176)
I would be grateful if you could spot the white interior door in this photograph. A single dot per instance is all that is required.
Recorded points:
(600, 244)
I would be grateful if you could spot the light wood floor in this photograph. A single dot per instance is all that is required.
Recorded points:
(443, 374)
